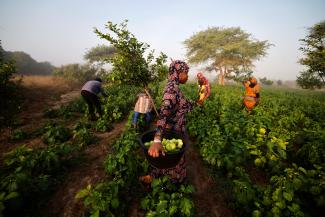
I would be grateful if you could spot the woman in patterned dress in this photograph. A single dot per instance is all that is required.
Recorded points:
(172, 117)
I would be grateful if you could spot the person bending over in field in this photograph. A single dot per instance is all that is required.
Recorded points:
(173, 109)
(89, 92)
(252, 93)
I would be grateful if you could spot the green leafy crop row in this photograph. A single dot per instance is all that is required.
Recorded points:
(281, 140)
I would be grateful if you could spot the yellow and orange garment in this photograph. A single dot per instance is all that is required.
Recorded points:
(250, 95)
(204, 87)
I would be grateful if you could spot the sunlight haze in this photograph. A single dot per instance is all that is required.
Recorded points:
(62, 31)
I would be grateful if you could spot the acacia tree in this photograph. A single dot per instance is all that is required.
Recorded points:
(229, 51)
(314, 51)
(99, 54)
(78, 73)
(130, 66)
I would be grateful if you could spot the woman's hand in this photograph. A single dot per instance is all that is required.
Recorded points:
(199, 102)
(155, 149)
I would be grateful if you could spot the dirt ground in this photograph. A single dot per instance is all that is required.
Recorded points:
(40, 93)
(43, 93)
(209, 202)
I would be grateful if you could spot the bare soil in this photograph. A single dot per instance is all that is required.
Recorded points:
(208, 200)
(257, 176)
(40, 93)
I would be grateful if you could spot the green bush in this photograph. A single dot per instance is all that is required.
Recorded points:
(55, 134)
(18, 135)
(9, 91)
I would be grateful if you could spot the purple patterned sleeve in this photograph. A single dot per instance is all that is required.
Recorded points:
(190, 105)
(166, 109)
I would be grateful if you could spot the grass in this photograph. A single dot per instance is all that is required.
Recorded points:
(47, 81)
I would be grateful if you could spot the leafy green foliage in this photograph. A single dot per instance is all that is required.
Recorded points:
(7, 70)
(33, 173)
(118, 104)
(129, 64)
(104, 198)
(82, 135)
(266, 81)
(9, 91)
(122, 165)
(76, 72)
(244, 193)
(168, 199)
(314, 51)
(283, 198)
(55, 134)
(28, 174)
(66, 111)
(18, 134)
(99, 54)
(281, 139)
(103, 126)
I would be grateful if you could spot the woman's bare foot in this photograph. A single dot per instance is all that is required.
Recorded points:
(147, 179)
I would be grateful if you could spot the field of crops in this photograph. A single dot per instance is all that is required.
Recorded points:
(269, 162)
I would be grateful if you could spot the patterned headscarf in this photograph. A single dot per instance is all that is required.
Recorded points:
(176, 67)
(202, 79)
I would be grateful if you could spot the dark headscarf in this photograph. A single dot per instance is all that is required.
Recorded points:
(98, 79)
(176, 67)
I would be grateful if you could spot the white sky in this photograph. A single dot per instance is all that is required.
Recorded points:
(61, 31)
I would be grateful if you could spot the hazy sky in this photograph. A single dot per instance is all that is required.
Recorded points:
(61, 31)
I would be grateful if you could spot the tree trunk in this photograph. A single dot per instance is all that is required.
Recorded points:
(221, 77)
(223, 80)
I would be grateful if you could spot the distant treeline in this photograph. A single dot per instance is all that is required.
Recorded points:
(26, 65)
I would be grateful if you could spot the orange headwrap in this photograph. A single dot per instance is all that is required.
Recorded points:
(253, 80)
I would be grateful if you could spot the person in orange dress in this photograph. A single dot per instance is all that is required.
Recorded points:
(252, 93)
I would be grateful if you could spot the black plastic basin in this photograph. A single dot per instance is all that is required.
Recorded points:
(170, 159)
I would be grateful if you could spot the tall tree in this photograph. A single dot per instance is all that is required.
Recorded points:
(130, 66)
(229, 51)
(314, 51)
(76, 72)
(10, 93)
(99, 54)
